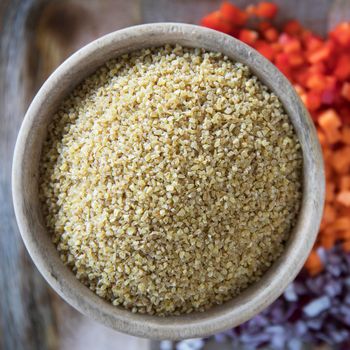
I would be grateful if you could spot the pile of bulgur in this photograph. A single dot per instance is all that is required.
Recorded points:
(170, 180)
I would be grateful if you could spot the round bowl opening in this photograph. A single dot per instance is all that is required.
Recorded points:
(27, 206)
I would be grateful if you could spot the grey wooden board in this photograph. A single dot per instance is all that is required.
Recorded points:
(35, 36)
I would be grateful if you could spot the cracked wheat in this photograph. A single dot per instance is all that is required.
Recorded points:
(170, 180)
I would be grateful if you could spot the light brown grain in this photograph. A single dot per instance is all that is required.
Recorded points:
(170, 180)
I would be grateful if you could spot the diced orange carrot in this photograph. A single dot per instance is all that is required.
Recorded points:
(330, 192)
(343, 198)
(342, 223)
(313, 263)
(345, 134)
(341, 34)
(345, 90)
(343, 234)
(343, 211)
(329, 214)
(292, 27)
(327, 156)
(329, 121)
(346, 246)
(341, 160)
(248, 36)
(233, 14)
(328, 241)
(322, 138)
(344, 183)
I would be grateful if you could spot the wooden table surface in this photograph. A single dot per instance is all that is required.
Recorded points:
(35, 37)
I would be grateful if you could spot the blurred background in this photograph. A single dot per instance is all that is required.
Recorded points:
(35, 37)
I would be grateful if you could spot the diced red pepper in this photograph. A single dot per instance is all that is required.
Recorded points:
(264, 25)
(312, 42)
(319, 67)
(271, 34)
(248, 36)
(266, 10)
(233, 14)
(215, 21)
(285, 70)
(313, 100)
(345, 90)
(276, 47)
(282, 59)
(292, 27)
(341, 34)
(296, 59)
(320, 82)
(342, 69)
(320, 54)
(300, 75)
(265, 49)
(293, 45)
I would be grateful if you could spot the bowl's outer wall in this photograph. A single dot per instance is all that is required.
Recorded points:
(27, 206)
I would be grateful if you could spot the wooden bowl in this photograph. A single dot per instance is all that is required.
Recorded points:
(38, 241)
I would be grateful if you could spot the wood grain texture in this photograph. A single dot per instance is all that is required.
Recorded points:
(35, 36)
(26, 317)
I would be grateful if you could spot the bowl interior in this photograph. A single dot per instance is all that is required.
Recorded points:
(27, 206)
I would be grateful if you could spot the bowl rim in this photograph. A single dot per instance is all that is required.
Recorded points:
(251, 301)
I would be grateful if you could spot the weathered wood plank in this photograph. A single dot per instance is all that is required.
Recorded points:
(26, 318)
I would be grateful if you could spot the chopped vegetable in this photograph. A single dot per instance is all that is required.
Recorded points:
(330, 123)
(233, 14)
(248, 36)
(314, 263)
(266, 10)
(341, 34)
(345, 91)
(216, 21)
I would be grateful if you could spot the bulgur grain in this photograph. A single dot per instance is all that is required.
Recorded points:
(170, 180)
